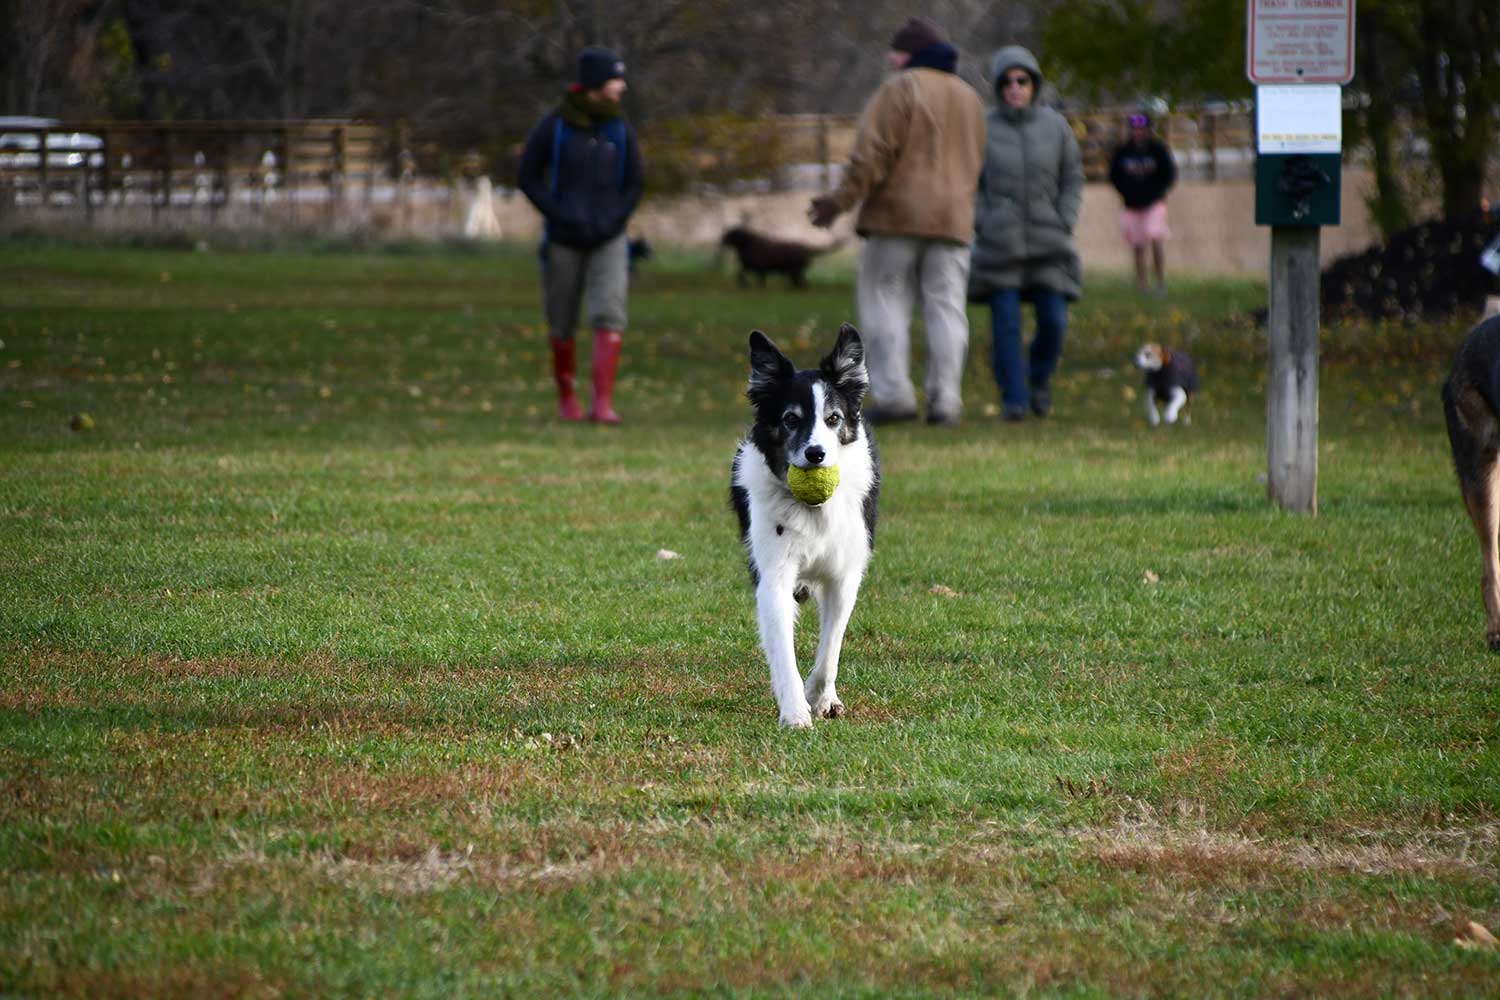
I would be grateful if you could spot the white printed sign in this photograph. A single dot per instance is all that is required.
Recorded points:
(1300, 41)
(1299, 118)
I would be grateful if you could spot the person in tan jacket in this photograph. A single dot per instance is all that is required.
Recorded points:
(915, 166)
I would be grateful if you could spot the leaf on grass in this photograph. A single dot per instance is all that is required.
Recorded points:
(1150, 577)
(941, 591)
(1477, 937)
(665, 554)
(1093, 788)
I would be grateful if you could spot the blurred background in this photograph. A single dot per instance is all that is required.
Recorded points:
(407, 116)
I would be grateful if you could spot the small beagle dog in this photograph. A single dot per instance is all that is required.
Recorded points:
(1171, 380)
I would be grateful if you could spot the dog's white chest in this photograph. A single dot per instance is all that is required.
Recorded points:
(823, 543)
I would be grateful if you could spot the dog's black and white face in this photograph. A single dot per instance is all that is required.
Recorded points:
(806, 418)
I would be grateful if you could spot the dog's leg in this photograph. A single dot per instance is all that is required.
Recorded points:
(1482, 498)
(776, 612)
(1152, 417)
(835, 605)
(1475, 436)
(1175, 403)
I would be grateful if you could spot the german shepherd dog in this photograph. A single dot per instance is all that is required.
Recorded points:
(762, 255)
(1471, 402)
(806, 548)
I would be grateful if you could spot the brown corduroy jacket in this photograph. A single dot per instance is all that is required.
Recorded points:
(917, 157)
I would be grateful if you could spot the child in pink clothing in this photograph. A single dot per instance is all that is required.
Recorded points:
(1143, 171)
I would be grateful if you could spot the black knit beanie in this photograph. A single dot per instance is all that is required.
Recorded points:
(597, 66)
(916, 35)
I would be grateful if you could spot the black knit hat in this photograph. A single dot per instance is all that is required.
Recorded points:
(916, 35)
(597, 66)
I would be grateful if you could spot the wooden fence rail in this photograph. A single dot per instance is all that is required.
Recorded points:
(170, 164)
(308, 172)
(1206, 142)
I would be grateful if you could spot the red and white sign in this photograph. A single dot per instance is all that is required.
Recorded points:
(1300, 41)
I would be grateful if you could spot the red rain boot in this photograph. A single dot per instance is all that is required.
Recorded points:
(606, 358)
(563, 366)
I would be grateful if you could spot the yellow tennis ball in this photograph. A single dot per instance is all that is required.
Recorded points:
(812, 486)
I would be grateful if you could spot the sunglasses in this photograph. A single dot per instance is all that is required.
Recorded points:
(1016, 81)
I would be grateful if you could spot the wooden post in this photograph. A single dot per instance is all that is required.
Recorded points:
(225, 201)
(285, 180)
(1213, 147)
(164, 178)
(336, 176)
(105, 178)
(1292, 376)
(823, 154)
(41, 163)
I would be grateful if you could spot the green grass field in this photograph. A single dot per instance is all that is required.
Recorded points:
(331, 664)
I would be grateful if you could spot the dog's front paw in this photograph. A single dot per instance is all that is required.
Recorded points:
(1492, 639)
(797, 720)
(827, 706)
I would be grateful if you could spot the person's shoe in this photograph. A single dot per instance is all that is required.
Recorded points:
(1041, 401)
(1013, 413)
(606, 359)
(563, 367)
(943, 419)
(880, 415)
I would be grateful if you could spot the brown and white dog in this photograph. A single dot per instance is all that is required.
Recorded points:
(1171, 380)
(1471, 403)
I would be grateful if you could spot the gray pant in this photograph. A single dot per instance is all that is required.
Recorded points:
(895, 272)
(598, 277)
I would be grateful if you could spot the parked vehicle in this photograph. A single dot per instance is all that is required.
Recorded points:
(20, 150)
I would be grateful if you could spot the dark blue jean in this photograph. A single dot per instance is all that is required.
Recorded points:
(1046, 347)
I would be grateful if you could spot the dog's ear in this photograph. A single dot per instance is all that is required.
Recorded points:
(768, 366)
(845, 364)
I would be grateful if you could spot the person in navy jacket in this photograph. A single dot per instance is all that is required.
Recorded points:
(1143, 171)
(581, 168)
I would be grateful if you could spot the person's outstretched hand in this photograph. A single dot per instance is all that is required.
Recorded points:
(822, 212)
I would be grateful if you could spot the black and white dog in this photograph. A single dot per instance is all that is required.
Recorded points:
(1171, 380)
(809, 419)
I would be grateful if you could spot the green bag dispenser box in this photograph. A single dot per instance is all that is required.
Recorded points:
(1298, 189)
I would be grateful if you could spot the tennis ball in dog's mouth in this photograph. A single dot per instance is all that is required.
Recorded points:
(812, 486)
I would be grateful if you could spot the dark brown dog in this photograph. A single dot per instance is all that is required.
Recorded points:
(762, 255)
(1471, 402)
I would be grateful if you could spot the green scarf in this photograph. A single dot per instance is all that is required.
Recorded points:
(581, 111)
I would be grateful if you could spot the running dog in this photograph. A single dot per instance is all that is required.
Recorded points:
(762, 255)
(1471, 403)
(1171, 379)
(807, 425)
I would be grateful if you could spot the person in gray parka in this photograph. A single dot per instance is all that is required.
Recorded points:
(1029, 195)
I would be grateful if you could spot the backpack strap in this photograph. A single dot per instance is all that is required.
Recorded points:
(614, 130)
(557, 141)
